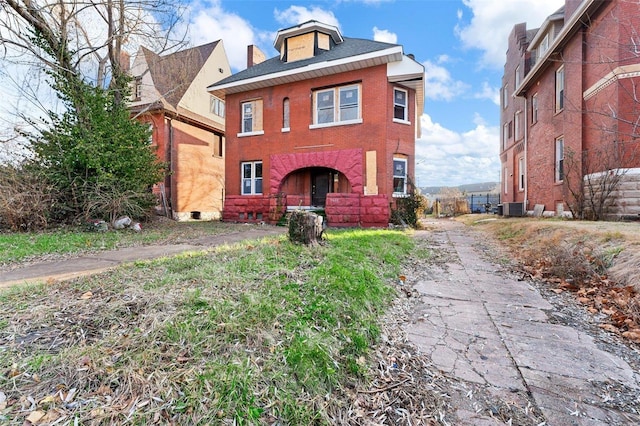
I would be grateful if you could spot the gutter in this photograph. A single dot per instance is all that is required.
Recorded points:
(586, 8)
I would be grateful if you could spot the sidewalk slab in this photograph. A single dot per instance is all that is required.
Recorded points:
(101, 261)
(480, 326)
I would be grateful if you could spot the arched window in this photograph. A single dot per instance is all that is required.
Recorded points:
(285, 115)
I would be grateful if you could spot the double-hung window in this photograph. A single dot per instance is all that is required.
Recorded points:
(559, 89)
(505, 96)
(251, 123)
(521, 174)
(251, 178)
(400, 105)
(337, 105)
(534, 109)
(559, 159)
(216, 106)
(399, 176)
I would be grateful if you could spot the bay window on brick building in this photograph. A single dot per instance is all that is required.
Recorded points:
(579, 90)
(329, 123)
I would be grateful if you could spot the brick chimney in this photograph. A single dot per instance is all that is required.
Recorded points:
(125, 61)
(254, 55)
(570, 6)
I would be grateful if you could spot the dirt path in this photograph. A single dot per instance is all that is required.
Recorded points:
(511, 351)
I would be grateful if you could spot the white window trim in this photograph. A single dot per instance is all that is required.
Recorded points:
(505, 176)
(339, 123)
(336, 107)
(245, 134)
(557, 160)
(534, 109)
(560, 89)
(285, 129)
(521, 174)
(404, 120)
(406, 177)
(505, 96)
(253, 178)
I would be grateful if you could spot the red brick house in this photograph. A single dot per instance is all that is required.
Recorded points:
(329, 123)
(569, 92)
(187, 124)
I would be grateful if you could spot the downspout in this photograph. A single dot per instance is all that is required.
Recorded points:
(169, 159)
(526, 164)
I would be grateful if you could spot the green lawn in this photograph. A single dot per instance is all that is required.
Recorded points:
(16, 247)
(263, 332)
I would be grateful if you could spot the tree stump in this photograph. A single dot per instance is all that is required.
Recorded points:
(305, 227)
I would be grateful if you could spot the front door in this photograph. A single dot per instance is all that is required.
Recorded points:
(320, 181)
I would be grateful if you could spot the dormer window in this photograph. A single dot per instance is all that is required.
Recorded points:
(306, 40)
(544, 45)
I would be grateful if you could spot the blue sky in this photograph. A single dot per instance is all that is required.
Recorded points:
(461, 43)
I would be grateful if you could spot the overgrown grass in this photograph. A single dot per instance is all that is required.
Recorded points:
(265, 332)
(15, 247)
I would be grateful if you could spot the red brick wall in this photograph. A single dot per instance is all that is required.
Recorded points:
(590, 124)
(516, 54)
(341, 147)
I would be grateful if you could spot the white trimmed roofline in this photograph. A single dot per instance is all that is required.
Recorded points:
(305, 27)
(392, 54)
(567, 30)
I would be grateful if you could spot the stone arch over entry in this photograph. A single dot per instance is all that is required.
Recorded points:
(347, 162)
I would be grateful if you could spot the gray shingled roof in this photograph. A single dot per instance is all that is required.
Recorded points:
(350, 47)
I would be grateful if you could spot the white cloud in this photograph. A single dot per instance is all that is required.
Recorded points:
(448, 158)
(209, 22)
(488, 92)
(385, 36)
(439, 85)
(492, 22)
(295, 15)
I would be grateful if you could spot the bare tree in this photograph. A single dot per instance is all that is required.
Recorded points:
(593, 172)
(592, 178)
(86, 38)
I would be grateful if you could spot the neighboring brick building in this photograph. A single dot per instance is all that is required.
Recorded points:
(329, 123)
(571, 87)
(170, 94)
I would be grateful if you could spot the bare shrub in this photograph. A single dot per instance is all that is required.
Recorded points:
(26, 200)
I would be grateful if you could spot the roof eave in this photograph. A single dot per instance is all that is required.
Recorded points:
(570, 27)
(314, 70)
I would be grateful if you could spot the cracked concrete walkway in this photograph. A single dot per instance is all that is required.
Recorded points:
(479, 326)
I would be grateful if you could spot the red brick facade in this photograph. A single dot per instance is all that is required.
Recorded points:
(356, 157)
(598, 109)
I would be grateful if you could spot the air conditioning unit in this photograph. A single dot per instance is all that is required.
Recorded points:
(513, 209)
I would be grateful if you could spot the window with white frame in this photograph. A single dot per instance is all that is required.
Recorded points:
(505, 175)
(337, 105)
(534, 109)
(517, 76)
(521, 174)
(400, 105)
(560, 89)
(399, 176)
(517, 125)
(138, 88)
(505, 135)
(505, 96)
(251, 178)
(251, 123)
(216, 106)
(559, 159)
(285, 115)
(544, 45)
